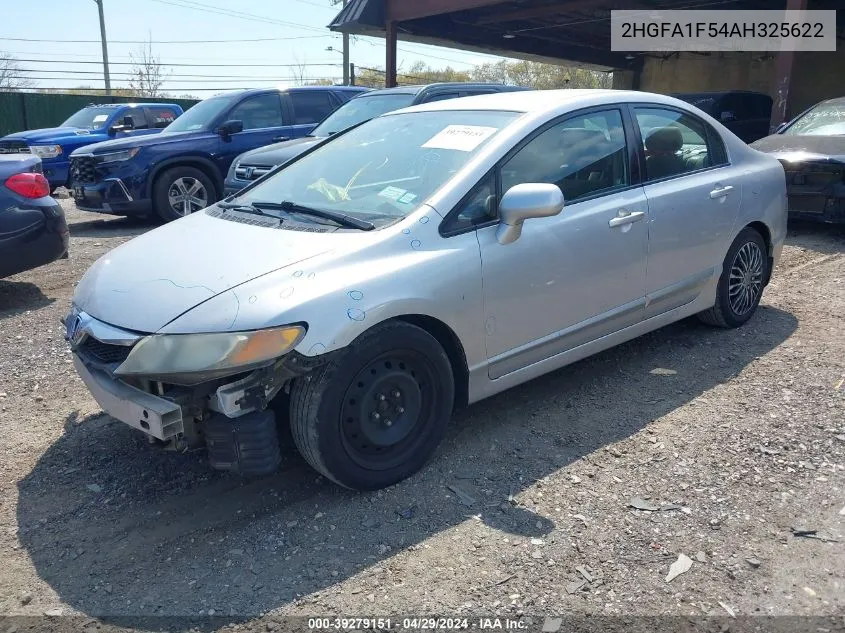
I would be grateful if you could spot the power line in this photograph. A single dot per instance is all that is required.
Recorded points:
(132, 74)
(181, 88)
(64, 61)
(253, 39)
(191, 4)
(164, 80)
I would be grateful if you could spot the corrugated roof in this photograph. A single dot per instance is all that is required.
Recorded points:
(358, 13)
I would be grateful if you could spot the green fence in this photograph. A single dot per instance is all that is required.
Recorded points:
(32, 110)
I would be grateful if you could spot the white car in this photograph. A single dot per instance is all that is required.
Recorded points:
(421, 261)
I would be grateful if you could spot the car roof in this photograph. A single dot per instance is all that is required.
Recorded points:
(543, 102)
(524, 100)
(835, 101)
(717, 93)
(131, 105)
(258, 91)
(413, 89)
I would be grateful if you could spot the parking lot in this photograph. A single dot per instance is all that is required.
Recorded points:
(733, 438)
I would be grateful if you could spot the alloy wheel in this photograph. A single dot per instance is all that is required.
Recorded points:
(746, 279)
(187, 195)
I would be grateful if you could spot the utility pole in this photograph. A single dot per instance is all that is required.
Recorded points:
(345, 55)
(105, 47)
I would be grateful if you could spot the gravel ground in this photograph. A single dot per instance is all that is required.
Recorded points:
(733, 438)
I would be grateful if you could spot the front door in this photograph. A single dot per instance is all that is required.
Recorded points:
(262, 119)
(693, 199)
(575, 277)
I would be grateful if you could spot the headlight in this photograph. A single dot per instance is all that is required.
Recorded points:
(193, 358)
(116, 157)
(46, 151)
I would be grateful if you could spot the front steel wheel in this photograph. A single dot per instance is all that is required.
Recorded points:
(374, 414)
(740, 287)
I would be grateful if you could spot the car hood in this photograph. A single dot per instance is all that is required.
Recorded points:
(151, 280)
(138, 141)
(795, 146)
(52, 134)
(278, 153)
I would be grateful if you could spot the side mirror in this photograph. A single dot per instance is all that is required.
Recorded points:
(128, 123)
(524, 201)
(230, 127)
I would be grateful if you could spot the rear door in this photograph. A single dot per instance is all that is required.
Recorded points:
(307, 108)
(263, 122)
(693, 195)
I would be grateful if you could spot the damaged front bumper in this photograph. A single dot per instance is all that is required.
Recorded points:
(816, 190)
(229, 415)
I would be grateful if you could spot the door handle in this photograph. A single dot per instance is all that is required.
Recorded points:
(279, 139)
(721, 192)
(628, 218)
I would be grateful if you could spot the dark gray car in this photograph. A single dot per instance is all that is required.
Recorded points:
(811, 149)
(252, 165)
(33, 230)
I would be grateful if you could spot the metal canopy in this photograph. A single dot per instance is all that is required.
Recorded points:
(575, 32)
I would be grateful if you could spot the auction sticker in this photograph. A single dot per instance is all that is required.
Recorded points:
(464, 138)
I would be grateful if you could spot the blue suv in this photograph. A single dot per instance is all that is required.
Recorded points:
(92, 124)
(181, 170)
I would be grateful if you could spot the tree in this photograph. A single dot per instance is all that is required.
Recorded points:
(12, 76)
(147, 72)
(299, 70)
(541, 76)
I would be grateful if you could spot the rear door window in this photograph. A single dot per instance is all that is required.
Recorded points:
(441, 96)
(311, 106)
(676, 143)
(161, 116)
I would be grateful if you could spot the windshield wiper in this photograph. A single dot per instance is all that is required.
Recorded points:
(245, 208)
(339, 218)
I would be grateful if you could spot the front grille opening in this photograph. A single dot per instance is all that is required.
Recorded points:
(83, 169)
(104, 352)
(14, 147)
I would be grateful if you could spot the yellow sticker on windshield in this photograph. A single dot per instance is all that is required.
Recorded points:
(464, 138)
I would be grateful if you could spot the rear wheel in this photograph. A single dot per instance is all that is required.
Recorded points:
(744, 274)
(181, 191)
(375, 414)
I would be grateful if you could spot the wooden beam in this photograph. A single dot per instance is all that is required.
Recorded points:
(783, 76)
(539, 12)
(390, 59)
(400, 10)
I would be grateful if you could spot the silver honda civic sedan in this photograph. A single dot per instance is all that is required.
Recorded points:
(426, 259)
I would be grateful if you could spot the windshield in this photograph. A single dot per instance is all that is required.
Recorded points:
(823, 120)
(361, 109)
(199, 116)
(384, 169)
(90, 118)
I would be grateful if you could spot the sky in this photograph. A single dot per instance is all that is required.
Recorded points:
(269, 32)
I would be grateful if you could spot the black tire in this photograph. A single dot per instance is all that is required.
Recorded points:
(375, 413)
(731, 314)
(179, 179)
